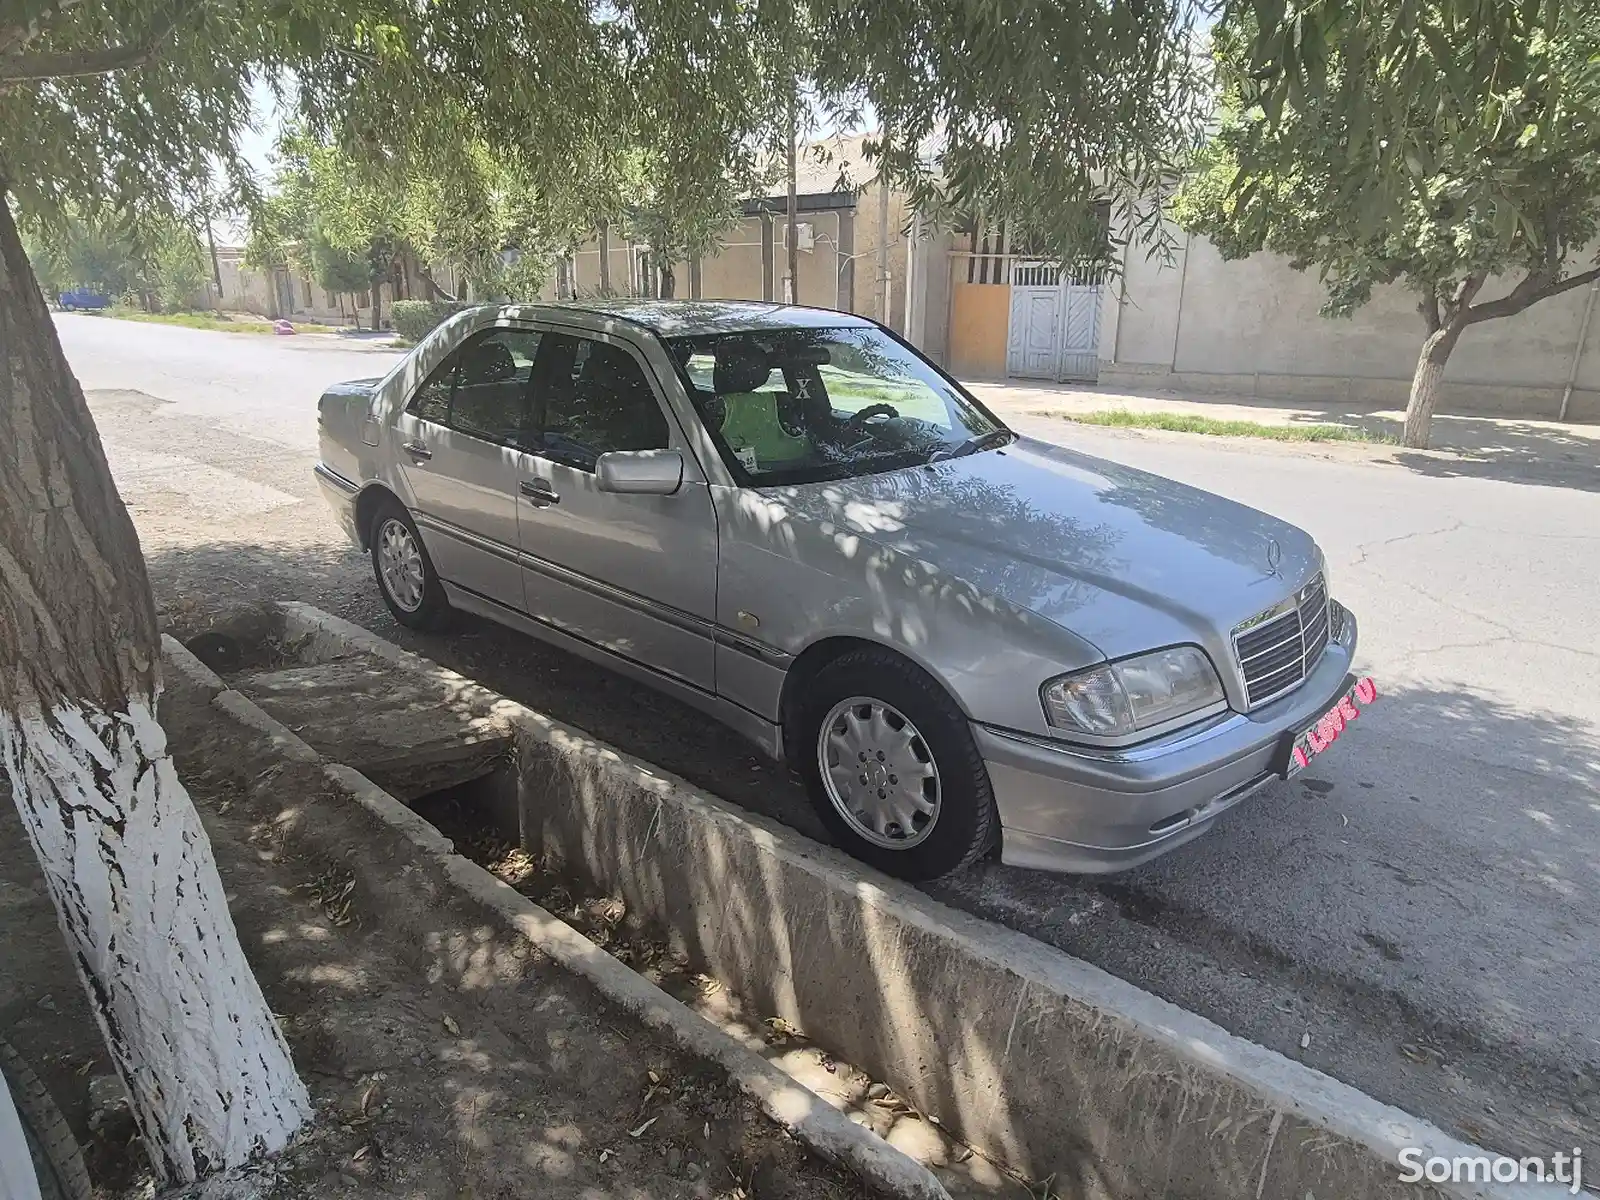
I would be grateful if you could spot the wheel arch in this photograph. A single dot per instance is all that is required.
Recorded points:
(371, 498)
(810, 662)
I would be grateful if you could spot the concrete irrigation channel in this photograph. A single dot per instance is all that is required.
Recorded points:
(1036, 1061)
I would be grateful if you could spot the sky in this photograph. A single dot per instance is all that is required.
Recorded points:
(256, 145)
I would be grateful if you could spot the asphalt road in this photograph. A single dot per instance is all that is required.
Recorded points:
(1421, 902)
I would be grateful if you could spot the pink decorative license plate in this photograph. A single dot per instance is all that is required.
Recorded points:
(1316, 738)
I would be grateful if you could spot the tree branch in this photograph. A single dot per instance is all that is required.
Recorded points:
(20, 35)
(1524, 296)
(1428, 306)
(38, 68)
(438, 292)
(1462, 296)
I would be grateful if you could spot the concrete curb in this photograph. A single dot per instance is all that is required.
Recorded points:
(1038, 1060)
(182, 658)
(807, 1116)
(811, 1120)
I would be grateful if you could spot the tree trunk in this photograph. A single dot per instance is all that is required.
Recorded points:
(1426, 382)
(435, 292)
(880, 286)
(123, 853)
(791, 233)
(669, 280)
(377, 304)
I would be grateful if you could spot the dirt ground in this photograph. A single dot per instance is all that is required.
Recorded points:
(446, 1059)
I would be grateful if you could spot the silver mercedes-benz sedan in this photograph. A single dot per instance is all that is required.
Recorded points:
(962, 639)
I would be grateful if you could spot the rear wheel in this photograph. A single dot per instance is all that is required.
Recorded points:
(891, 766)
(57, 1162)
(405, 573)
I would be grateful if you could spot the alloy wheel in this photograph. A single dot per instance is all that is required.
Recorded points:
(400, 564)
(879, 773)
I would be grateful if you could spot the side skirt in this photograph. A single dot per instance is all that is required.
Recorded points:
(767, 737)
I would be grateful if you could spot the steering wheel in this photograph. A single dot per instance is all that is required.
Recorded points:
(858, 423)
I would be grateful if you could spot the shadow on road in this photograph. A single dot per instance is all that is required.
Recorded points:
(1428, 884)
(1466, 446)
(1539, 454)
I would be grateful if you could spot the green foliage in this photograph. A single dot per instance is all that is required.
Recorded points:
(414, 319)
(1029, 111)
(1418, 87)
(78, 252)
(189, 320)
(1365, 140)
(345, 220)
(338, 268)
(160, 257)
(1122, 418)
(1025, 109)
(178, 269)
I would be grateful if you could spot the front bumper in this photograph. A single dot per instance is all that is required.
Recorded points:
(1072, 808)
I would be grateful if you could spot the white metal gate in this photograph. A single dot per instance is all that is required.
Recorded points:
(1055, 322)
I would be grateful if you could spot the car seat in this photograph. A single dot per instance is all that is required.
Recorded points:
(488, 392)
(749, 420)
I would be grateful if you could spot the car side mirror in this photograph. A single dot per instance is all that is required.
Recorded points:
(640, 472)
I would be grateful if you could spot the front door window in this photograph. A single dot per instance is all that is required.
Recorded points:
(591, 398)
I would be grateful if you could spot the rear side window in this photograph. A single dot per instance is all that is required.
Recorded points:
(432, 401)
(482, 388)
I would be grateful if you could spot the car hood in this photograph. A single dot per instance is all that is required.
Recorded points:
(1122, 558)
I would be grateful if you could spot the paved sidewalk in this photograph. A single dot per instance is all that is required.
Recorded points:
(1503, 440)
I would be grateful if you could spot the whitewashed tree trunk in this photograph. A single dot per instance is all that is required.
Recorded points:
(124, 855)
(143, 911)
(1425, 384)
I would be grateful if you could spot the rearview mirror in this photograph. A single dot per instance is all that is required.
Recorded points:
(640, 472)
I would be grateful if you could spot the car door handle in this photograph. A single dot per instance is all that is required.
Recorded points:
(417, 450)
(539, 492)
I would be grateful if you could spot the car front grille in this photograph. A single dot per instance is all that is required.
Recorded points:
(1277, 652)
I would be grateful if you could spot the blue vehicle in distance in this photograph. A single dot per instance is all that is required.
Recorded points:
(84, 298)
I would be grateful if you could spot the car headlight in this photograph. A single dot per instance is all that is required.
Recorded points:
(1136, 693)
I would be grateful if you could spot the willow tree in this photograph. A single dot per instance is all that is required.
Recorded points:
(132, 107)
(1448, 147)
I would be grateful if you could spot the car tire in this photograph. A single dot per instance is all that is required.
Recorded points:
(57, 1162)
(964, 824)
(406, 579)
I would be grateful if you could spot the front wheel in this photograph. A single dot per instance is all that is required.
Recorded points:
(891, 767)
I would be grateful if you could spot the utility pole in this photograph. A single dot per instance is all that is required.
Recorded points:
(211, 244)
(880, 289)
(792, 235)
(216, 268)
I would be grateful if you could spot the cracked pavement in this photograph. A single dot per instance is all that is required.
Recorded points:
(1421, 901)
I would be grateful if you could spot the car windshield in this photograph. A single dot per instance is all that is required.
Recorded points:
(804, 405)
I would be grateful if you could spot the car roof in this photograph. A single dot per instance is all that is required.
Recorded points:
(688, 318)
